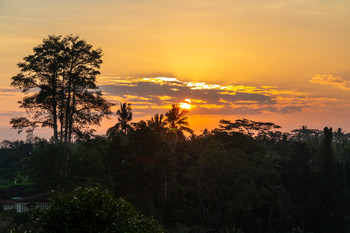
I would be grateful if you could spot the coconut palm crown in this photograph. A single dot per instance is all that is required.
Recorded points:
(177, 121)
(157, 123)
(124, 118)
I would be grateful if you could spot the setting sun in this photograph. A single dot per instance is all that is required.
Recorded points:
(186, 105)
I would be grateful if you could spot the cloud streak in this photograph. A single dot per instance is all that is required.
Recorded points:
(158, 93)
(334, 81)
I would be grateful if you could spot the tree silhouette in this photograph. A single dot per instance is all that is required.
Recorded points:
(124, 118)
(326, 151)
(304, 133)
(59, 82)
(249, 127)
(177, 121)
(157, 123)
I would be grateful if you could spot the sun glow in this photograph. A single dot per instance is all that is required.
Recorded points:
(186, 105)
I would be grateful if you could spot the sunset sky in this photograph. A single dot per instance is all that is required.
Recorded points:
(285, 61)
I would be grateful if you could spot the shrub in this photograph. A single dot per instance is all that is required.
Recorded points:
(92, 210)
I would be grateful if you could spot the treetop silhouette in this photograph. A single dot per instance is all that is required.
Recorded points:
(177, 120)
(124, 118)
(59, 82)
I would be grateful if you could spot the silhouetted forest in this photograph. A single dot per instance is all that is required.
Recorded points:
(244, 176)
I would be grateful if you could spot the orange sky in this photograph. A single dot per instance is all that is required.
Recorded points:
(282, 61)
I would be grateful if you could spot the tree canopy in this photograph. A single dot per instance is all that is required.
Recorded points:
(93, 209)
(59, 82)
(218, 181)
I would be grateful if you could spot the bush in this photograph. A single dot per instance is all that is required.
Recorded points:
(92, 210)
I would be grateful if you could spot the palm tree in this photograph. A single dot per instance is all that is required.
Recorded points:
(157, 123)
(124, 117)
(177, 121)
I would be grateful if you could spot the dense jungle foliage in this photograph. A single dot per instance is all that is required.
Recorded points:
(236, 178)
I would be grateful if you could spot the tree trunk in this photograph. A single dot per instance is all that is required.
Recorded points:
(70, 130)
(61, 112)
(67, 113)
(68, 107)
(54, 108)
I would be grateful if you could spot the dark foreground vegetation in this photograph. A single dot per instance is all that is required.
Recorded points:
(219, 181)
(245, 176)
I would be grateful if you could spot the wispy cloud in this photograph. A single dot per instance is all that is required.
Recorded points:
(12, 113)
(8, 91)
(334, 81)
(158, 93)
